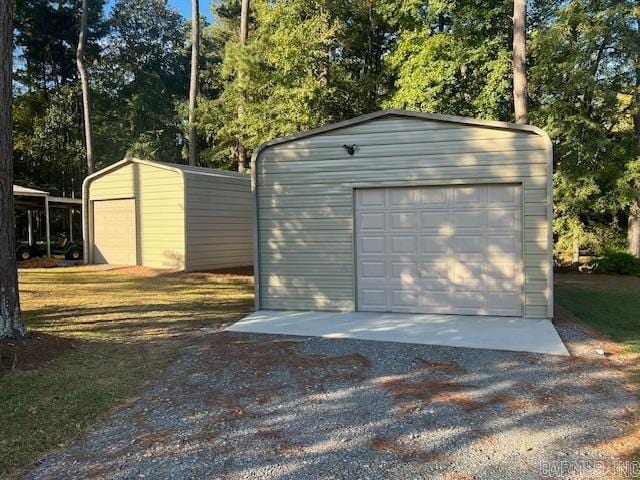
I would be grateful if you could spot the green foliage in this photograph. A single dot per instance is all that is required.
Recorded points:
(312, 62)
(48, 145)
(454, 57)
(617, 261)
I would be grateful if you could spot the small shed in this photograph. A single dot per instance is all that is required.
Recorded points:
(400, 211)
(161, 215)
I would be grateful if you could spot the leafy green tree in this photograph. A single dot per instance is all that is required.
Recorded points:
(577, 78)
(452, 57)
(142, 77)
(46, 34)
(48, 146)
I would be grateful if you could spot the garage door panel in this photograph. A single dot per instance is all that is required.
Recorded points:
(373, 299)
(371, 222)
(438, 221)
(403, 197)
(473, 219)
(468, 244)
(507, 218)
(372, 269)
(401, 245)
(468, 195)
(453, 249)
(434, 244)
(503, 195)
(467, 275)
(404, 271)
(371, 199)
(372, 245)
(502, 271)
(434, 197)
(403, 220)
(436, 302)
(434, 268)
(468, 299)
(503, 244)
(405, 298)
(441, 284)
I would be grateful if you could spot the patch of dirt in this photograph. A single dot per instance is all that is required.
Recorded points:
(262, 357)
(407, 453)
(32, 352)
(152, 438)
(409, 394)
(242, 271)
(40, 262)
(139, 271)
(444, 367)
(282, 445)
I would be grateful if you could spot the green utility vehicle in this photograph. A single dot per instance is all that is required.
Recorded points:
(60, 245)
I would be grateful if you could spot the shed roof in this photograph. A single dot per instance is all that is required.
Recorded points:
(175, 167)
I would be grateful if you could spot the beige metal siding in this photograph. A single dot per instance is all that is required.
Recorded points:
(115, 231)
(305, 203)
(159, 212)
(219, 221)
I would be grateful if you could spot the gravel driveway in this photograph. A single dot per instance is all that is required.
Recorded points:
(239, 406)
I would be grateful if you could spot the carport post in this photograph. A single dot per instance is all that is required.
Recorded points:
(30, 226)
(71, 224)
(47, 230)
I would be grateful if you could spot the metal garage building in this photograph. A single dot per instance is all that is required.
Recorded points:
(162, 215)
(398, 211)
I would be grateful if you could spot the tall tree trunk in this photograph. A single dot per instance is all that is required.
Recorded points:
(519, 60)
(633, 230)
(193, 86)
(244, 34)
(84, 82)
(10, 317)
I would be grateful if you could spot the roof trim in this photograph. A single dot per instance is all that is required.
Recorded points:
(402, 113)
(28, 192)
(165, 166)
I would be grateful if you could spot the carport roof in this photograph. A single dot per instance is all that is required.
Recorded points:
(28, 192)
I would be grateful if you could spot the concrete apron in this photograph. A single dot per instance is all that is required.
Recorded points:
(534, 335)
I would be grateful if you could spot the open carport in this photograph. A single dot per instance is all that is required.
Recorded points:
(36, 201)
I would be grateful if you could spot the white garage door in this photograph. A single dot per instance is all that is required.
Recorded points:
(455, 249)
(114, 231)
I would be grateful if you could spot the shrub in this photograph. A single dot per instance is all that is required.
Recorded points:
(617, 261)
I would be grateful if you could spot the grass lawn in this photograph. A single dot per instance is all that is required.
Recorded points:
(99, 337)
(608, 303)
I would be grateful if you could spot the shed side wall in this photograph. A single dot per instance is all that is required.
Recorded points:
(305, 204)
(218, 223)
(159, 195)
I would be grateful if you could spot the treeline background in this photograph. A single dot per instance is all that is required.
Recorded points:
(313, 62)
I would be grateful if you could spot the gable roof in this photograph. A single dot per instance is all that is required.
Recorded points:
(438, 117)
(174, 167)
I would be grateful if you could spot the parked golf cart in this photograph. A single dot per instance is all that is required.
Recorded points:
(60, 245)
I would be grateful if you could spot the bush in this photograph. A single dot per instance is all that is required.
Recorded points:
(617, 261)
